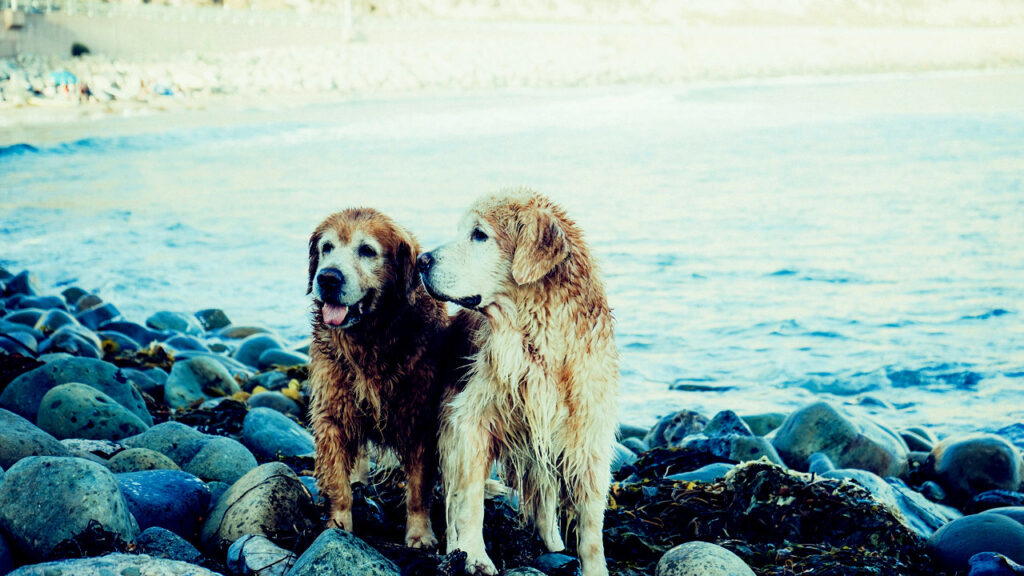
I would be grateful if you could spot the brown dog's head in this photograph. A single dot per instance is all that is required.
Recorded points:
(505, 241)
(359, 260)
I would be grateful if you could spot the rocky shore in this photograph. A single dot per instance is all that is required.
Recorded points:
(179, 446)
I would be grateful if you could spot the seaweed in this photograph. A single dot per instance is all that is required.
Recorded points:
(95, 540)
(14, 365)
(223, 419)
(153, 356)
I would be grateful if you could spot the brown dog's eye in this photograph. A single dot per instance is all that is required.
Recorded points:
(367, 251)
(477, 235)
(327, 247)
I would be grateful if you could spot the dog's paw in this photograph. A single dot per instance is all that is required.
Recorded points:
(341, 519)
(480, 565)
(421, 539)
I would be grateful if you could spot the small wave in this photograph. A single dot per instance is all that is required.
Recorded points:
(958, 379)
(18, 150)
(783, 272)
(994, 313)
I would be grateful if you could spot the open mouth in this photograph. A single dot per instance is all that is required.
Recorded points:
(340, 316)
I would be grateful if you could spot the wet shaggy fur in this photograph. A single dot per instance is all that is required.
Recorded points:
(380, 380)
(541, 394)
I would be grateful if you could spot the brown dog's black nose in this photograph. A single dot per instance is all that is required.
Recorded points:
(330, 281)
(424, 262)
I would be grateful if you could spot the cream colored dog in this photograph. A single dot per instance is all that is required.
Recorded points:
(541, 394)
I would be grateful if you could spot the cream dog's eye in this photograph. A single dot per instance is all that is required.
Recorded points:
(367, 251)
(327, 247)
(478, 235)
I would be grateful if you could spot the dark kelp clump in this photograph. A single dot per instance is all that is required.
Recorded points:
(778, 521)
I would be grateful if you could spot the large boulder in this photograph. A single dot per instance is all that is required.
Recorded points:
(45, 500)
(175, 440)
(972, 464)
(80, 411)
(849, 441)
(270, 500)
(75, 340)
(114, 565)
(339, 553)
(20, 438)
(170, 499)
(269, 433)
(24, 394)
(954, 544)
(139, 460)
(221, 459)
(252, 347)
(196, 380)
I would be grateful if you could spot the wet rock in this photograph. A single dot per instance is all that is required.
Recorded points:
(269, 433)
(75, 340)
(114, 565)
(820, 463)
(240, 332)
(670, 430)
(71, 294)
(23, 395)
(45, 500)
(143, 380)
(710, 473)
(275, 401)
(269, 500)
(234, 367)
(254, 554)
(137, 332)
(637, 445)
(178, 442)
(762, 424)
(87, 302)
(252, 347)
(212, 319)
(162, 543)
(994, 499)
(849, 441)
(115, 342)
(18, 342)
(1012, 512)
(180, 342)
(170, 499)
(27, 317)
(221, 459)
(556, 563)
(339, 553)
(954, 544)
(93, 317)
(932, 491)
(98, 451)
(217, 489)
(20, 438)
(915, 442)
(270, 380)
(523, 571)
(310, 483)
(915, 511)
(22, 283)
(734, 448)
(50, 321)
(630, 431)
(139, 460)
(969, 465)
(80, 411)
(992, 564)
(195, 380)
(6, 558)
(621, 456)
(726, 423)
(279, 357)
(701, 559)
(1014, 433)
(175, 322)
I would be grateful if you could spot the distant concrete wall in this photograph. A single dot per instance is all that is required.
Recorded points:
(156, 30)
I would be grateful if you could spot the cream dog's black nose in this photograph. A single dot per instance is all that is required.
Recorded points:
(330, 281)
(424, 262)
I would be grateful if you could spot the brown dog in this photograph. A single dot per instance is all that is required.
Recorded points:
(376, 363)
(542, 391)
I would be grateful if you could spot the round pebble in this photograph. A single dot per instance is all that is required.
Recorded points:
(701, 559)
(955, 543)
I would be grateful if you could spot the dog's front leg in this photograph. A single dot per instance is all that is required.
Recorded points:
(466, 461)
(336, 448)
(420, 470)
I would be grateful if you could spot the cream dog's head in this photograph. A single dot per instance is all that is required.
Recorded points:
(505, 242)
(360, 262)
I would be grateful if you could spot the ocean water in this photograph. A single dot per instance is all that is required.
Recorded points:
(764, 245)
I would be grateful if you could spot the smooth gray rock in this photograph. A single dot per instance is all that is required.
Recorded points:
(762, 424)
(819, 463)
(734, 447)
(710, 473)
(1012, 512)
(272, 380)
(631, 431)
(52, 320)
(726, 423)
(170, 499)
(75, 340)
(339, 553)
(256, 555)
(279, 357)
(23, 282)
(217, 489)
(972, 464)
(849, 441)
(81, 411)
(252, 347)
(26, 317)
(221, 459)
(913, 510)
(240, 332)
(140, 460)
(916, 442)
(523, 571)
(555, 562)
(701, 559)
(268, 433)
(18, 342)
(992, 564)
(621, 456)
(71, 294)
(670, 430)
(954, 544)
(212, 318)
(20, 438)
(137, 332)
(23, 395)
(637, 445)
(275, 401)
(178, 442)
(116, 343)
(195, 380)
(114, 565)
(45, 500)
(86, 301)
(93, 317)
(182, 342)
(175, 322)
(162, 543)
(269, 500)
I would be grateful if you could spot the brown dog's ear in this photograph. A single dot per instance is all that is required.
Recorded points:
(540, 247)
(406, 276)
(314, 259)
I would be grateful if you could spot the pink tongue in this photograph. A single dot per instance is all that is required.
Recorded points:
(334, 315)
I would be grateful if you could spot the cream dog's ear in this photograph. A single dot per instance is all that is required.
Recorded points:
(540, 246)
